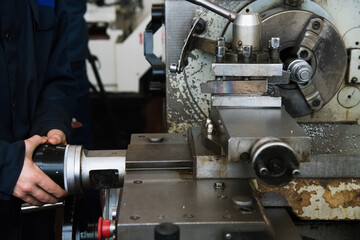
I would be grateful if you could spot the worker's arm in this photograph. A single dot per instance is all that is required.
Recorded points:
(11, 163)
(19, 176)
(33, 185)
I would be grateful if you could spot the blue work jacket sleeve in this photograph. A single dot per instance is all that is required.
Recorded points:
(58, 95)
(12, 160)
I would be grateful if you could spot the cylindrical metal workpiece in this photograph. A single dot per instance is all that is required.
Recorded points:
(76, 169)
(247, 30)
(301, 71)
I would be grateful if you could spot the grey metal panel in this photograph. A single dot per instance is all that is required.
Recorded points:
(201, 211)
(172, 152)
(197, 207)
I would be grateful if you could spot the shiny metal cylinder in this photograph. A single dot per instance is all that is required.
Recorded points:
(76, 169)
(85, 169)
(72, 166)
(301, 71)
(247, 31)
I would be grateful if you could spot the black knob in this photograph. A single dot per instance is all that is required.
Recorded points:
(167, 231)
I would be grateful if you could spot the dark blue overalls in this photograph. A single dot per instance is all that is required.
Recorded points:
(37, 89)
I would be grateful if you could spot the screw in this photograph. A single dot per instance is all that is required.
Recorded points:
(219, 185)
(247, 51)
(135, 217)
(316, 25)
(228, 236)
(264, 171)
(156, 139)
(296, 172)
(304, 54)
(210, 128)
(354, 80)
(222, 197)
(245, 156)
(274, 42)
(188, 216)
(315, 103)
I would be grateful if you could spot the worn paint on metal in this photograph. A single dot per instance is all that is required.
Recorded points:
(322, 199)
(186, 105)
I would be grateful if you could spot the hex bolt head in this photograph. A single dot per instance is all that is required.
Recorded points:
(354, 80)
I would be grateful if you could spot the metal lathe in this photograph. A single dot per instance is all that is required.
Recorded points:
(262, 106)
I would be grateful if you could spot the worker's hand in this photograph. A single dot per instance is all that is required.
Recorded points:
(56, 137)
(33, 185)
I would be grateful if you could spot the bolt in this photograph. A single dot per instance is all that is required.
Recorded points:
(210, 128)
(274, 42)
(114, 213)
(264, 171)
(242, 200)
(228, 236)
(222, 197)
(354, 80)
(188, 216)
(245, 156)
(174, 68)
(316, 25)
(219, 185)
(304, 54)
(296, 172)
(155, 139)
(221, 41)
(247, 51)
(303, 74)
(315, 103)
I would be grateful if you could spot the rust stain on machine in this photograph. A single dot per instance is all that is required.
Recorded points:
(320, 199)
